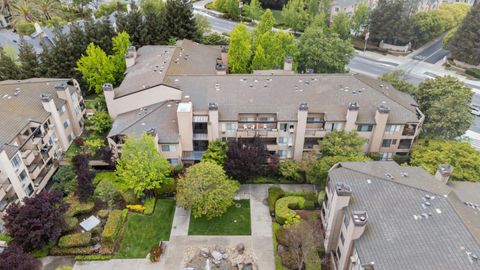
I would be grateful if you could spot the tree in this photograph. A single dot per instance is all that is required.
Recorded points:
(395, 79)
(23, 10)
(317, 172)
(206, 190)
(295, 15)
(445, 101)
(15, 258)
(154, 27)
(247, 160)
(94, 144)
(341, 25)
(390, 22)
(324, 52)
(232, 9)
(84, 179)
(38, 222)
(48, 9)
(120, 47)
(313, 7)
(254, 9)
(360, 18)
(141, 167)
(260, 60)
(465, 159)
(465, 43)
(133, 24)
(179, 20)
(240, 50)
(342, 143)
(152, 4)
(64, 180)
(216, 152)
(105, 9)
(426, 27)
(290, 170)
(215, 39)
(8, 69)
(29, 64)
(203, 25)
(101, 34)
(106, 191)
(96, 68)
(265, 25)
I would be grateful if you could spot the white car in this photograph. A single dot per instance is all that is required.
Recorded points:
(475, 111)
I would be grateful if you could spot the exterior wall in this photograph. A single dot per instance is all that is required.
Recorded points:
(213, 125)
(333, 217)
(13, 174)
(138, 100)
(300, 134)
(185, 126)
(378, 130)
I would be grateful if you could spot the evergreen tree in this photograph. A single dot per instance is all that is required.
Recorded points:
(154, 27)
(254, 9)
(265, 24)
(390, 22)
(133, 24)
(179, 20)
(240, 50)
(57, 61)
(313, 7)
(260, 60)
(465, 45)
(96, 68)
(101, 34)
(341, 25)
(29, 64)
(232, 9)
(295, 15)
(8, 69)
(120, 47)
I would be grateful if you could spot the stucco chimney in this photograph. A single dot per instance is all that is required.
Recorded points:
(381, 118)
(443, 172)
(185, 127)
(352, 114)
(109, 96)
(302, 114)
(212, 128)
(131, 56)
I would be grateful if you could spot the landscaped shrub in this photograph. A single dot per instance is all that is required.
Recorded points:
(166, 190)
(103, 213)
(124, 215)
(149, 205)
(95, 257)
(136, 208)
(57, 251)
(321, 196)
(290, 260)
(274, 193)
(112, 227)
(311, 261)
(284, 206)
(475, 72)
(311, 199)
(290, 169)
(40, 253)
(64, 268)
(6, 238)
(77, 207)
(75, 240)
(155, 253)
(129, 196)
(71, 223)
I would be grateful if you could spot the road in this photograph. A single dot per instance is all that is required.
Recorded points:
(417, 68)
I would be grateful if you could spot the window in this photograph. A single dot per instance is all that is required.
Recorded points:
(333, 126)
(342, 239)
(62, 109)
(339, 254)
(23, 176)
(66, 123)
(282, 140)
(386, 156)
(346, 220)
(169, 148)
(314, 120)
(173, 161)
(230, 126)
(285, 153)
(390, 129)
(71, 136)
(29, 190)
(283, 126)
(386, 143)
(364, 128)
(16, 161)
(74, 97)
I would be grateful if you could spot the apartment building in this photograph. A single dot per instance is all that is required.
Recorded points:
(379, 215)
(39, 119)
(183, 96)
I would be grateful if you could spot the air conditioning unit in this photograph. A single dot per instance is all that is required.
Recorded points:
(290, 144)
(291, 130)
(353, 259)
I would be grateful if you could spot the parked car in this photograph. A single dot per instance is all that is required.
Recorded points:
(475, 110)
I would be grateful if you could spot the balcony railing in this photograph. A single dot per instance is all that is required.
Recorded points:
(315, 132)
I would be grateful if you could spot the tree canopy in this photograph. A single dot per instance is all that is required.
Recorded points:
(465, 43)
(342, 143)
(206, 190)
(15, 258)
(141, 168)
(216, 152)
(317, 172)
(295, 15)
(96, 68)
(240, 50)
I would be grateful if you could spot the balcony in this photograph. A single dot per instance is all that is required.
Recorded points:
(409, 130)
(315, 132)
(28, 157)
(200, 136)
(41, 181)
(192, 155)
(272, 147)
(405, 144)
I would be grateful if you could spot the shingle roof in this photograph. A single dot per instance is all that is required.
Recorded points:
(161, 116)
(282, 94)
(396, 237)
(16, 111)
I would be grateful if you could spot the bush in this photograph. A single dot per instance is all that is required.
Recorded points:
(25, 28)
(155, 253)
(57, 251)
(95, 257)
(311, 198)
(40, 253)
(71, 222)
(283, 205)
(274, 193)
(64, 268)
(136, 208)
(113, 226)
(166, 190)
(103, 213)
(311, 261)
(129, 196)
(149, 205)
(75, 240)
(475, 72)
(215, 39)
(321, 196)
(77, 207)
(124, 215)
(290, 260)
(5, 237)
(290, 169)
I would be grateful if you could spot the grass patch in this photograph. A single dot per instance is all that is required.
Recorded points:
(109, 176)
(224, 225)
(72, 151)
(144, 231)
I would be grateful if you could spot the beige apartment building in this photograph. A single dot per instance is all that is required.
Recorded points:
(39, 119)
(379, 215)
(182, 95)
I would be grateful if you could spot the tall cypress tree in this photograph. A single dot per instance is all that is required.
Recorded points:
(465, 45)
(133, 24)
(179, 20)
(8, 69)
(101, 33)
(154, 26)
(58, 61)
(29, 63)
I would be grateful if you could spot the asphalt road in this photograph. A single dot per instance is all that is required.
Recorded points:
(433, 53)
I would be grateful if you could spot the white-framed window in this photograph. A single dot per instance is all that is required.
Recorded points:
(282, 140)
(285, 153)
(284, 126)
(62, 109)
(390, 129)
(230, 126)
(169, 148)
(66, 123)
(16, 161)
(74, 97)
(386, 156)
(365, 127)
(342, 238)
(23, 176)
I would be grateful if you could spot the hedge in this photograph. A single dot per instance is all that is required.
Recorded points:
(311, 198)
(75, 240)
(321, 197)
(103, 213)
(149, 205)
(57, 251)
(113, 226)
(95, 257)
(77, 207)
(474, 72)
(71, 222)
(283, 205)
(274, 193)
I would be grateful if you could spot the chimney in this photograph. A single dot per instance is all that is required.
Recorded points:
(220, 67)
(352, 114)
(302, 114)
(381, 118)
(443, 172)
(212, 127)
(184, 120)
(287, 65)
(109, 96)
(131, 56)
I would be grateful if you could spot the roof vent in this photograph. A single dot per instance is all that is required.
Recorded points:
(107, 87)
(404, 174)
(360, 218)
(212, 106)
(343, 189)
(17, 92)
(46, 97)
(60, 86)
(303, 106)
(353, 106)
(389, 176)
(383, 108)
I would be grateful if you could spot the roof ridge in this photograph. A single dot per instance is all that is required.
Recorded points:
(160, 104)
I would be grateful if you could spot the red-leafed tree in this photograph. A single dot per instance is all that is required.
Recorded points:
(38, 222)
(85, 186)
(15, 258)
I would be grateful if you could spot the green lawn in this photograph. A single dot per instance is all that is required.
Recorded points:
(143, 232)
(236, 221)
